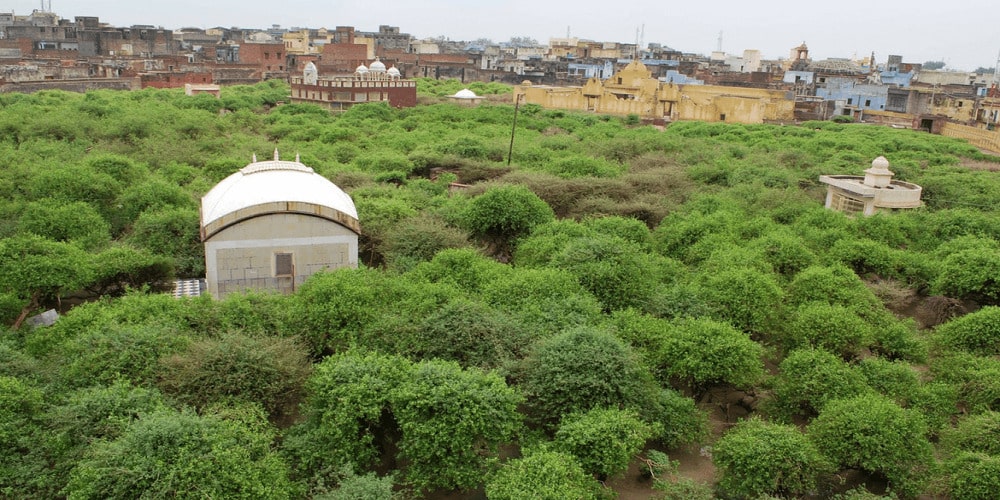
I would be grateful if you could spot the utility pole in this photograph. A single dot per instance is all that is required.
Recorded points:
(513, 127)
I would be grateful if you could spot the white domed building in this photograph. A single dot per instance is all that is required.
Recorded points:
(273, 224)
(875, 192)
(372, 83)
(465, 97)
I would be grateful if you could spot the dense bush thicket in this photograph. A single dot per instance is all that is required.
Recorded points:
(523, 328)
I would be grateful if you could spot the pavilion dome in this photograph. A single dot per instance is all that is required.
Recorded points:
(465, 94)
(262, 186)
(361, 69)
(393, 72)
(377, 66)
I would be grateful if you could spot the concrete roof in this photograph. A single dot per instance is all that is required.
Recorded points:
(273, 181)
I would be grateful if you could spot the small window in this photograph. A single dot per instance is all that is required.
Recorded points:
(283, 264)
(868, 102)
(722, 117)
(850, 100)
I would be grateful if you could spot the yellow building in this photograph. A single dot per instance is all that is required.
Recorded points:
(633, 90)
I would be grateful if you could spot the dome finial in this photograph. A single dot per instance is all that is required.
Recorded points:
(255, 158)
(275, 154)
(297, 159)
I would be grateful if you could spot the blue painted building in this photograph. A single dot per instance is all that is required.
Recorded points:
(859, 96)
(673, 76)
(600, 70)
(800, 77)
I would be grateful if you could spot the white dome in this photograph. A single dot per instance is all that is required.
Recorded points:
(310, 67)
(266, 183)
(392, 71)
(377, 66)
(361, 69)
(465, 94)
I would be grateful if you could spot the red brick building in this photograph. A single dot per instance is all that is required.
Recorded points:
(269, 57)
(170, 80)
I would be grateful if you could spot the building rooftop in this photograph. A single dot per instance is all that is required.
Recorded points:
(263, 183)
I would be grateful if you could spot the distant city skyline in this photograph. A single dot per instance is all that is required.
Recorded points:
(918, 30)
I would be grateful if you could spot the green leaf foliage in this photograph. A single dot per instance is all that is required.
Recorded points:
(702, 352)
(759, 458)
(452, 422)
(170, 454)
(446, 423)
(975, 476)
(970, 274)
(267, 370)
(604, 440)
(348, 398)
(975, 433)
(543, 475)
(872, 433)
(834, 328)
(748, 299)
(579, 370)
(978, 332)
(503, 214)
(810, 378)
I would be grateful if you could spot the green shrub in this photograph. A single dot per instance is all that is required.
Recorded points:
(604, 440)
(970, 274)
(453, 422)
(120, 352)
(834, 328)
(23, 461)
(468, 332)
(871, 433)
(418, 240)
(974, 433)
(702, 352)
(346, 408)
(974, 476)
(747, 298)
(267, 370)
(172, 454)
(978, 332)
(503, 214)
(617, 272)
(809, 378)
(676, 419)
(543, 475)
(893, 379)
(758, 458)
(351, 486)
(546, 300)
(579, 370)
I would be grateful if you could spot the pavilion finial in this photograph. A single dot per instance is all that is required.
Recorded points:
(276, 154)
(255, 158)
(297, 159)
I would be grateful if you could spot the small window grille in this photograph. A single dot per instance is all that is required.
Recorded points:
(283, 264)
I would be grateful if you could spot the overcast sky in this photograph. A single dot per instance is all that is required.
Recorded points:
(963, 33)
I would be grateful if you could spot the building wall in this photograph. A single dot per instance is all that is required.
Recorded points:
(242, 257)
(174, 80)
(342, 57)
(83, 85)
(340, 94)
(266, 56)
(633, 91)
